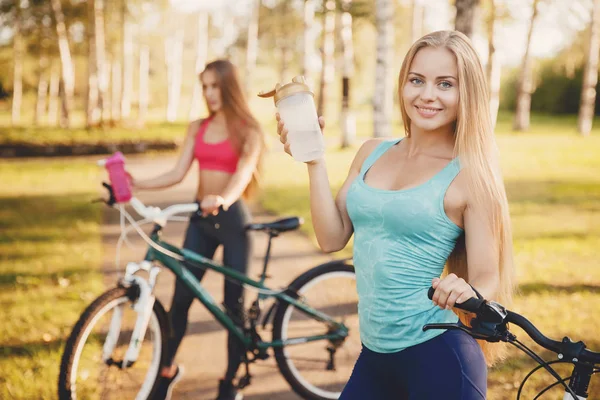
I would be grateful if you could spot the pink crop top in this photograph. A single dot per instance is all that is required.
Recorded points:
(219, 156)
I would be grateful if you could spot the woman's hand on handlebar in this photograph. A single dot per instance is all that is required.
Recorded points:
(211, 204)
(131, 179)
(450, 291)
(283, 132)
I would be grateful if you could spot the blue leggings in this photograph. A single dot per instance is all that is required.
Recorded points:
(450, 366)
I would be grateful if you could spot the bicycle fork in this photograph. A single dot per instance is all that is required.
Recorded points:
(143, 306)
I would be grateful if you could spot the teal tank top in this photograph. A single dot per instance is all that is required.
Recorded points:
(402, 239)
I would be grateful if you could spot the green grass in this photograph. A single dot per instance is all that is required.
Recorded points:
(553, 183)
(50, 240)
(50, 254)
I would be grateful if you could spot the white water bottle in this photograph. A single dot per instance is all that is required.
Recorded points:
(296, 106)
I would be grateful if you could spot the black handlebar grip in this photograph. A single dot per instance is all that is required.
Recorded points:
(472, 305)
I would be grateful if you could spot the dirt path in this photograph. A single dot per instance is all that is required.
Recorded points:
(203, 349)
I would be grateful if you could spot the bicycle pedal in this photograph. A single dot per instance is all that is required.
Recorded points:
(244, 381)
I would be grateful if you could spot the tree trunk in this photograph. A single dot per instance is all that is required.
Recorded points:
(418, 15)
(308, 39)
(252, 50)
(68, 75)
(348, 121)
(525, 86)
(53, 94)
(465, 16)
(493, 69)
(328, 66)
(17, 95)
(127, 63)
(174, 54)
(42, 91)
(383, 96)
(590, 76)
(106, 99)
(92, 109)
(144, 83)
(101, 56)
(115, 113)
(201, 57)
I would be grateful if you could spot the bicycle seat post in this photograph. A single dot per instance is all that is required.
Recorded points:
(264, 275)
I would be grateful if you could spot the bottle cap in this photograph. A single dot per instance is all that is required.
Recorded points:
(298, 85)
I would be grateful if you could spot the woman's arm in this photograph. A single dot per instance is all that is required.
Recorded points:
(483, 260)
(180, 169)
(330, 218)
(246, 167)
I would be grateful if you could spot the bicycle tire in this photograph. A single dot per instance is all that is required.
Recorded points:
(286, 365)
(80, 331)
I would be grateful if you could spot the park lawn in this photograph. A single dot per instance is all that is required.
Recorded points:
(50, 254)
(553, 185)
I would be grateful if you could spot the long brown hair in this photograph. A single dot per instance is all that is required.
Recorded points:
(475, 146)
(240, 121)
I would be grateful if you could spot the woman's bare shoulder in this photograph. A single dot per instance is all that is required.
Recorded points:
(365, 149)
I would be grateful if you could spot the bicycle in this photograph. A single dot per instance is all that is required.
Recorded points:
(491, 324)
(119, 344)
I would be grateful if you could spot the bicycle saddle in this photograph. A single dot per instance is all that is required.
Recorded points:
(281, 225)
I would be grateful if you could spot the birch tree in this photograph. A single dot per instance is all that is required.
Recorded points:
(17, 66)
(590, 75)
(525, 84)
(347, 119)
(68, 75)
(465, 16)
(328, 67)
(383, 96)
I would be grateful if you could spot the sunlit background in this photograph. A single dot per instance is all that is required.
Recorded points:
(80, 79)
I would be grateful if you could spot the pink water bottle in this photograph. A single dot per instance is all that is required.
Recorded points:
(119, 180)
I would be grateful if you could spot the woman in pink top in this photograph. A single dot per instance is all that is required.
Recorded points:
(228, 146)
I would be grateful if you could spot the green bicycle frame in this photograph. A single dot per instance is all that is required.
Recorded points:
(338, 330)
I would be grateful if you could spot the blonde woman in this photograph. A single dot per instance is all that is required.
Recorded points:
(428, 209)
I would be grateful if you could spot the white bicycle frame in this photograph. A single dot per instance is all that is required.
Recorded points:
(144, 304)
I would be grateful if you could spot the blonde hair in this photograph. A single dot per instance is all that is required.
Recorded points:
(476, 148)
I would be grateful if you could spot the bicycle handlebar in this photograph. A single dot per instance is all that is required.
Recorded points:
(490, 311)
(154, 214)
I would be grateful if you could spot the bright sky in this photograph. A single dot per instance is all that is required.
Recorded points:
(555, 28)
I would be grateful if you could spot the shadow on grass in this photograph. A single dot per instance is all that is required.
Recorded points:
(545, 288)
(8, 279)
(585, 196)
(31, 349)
(46, 218)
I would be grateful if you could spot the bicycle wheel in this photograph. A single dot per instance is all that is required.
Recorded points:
(319, 370)
(84, 374)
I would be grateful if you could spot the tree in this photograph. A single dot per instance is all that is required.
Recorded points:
(327, 69)
(493, 69)
(308, 38)
(201, 57)
(128, 62)
(465, 16)
(347, 120)
(68, 75)
(525, 85)
(418, 15)
(382, 98)
(252, 46)
(590, 75)
(18, 66)
(93, 112)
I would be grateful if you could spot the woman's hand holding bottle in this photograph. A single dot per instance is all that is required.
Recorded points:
(283, 135)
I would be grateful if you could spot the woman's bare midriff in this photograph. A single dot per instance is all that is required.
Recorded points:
(212, 182)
